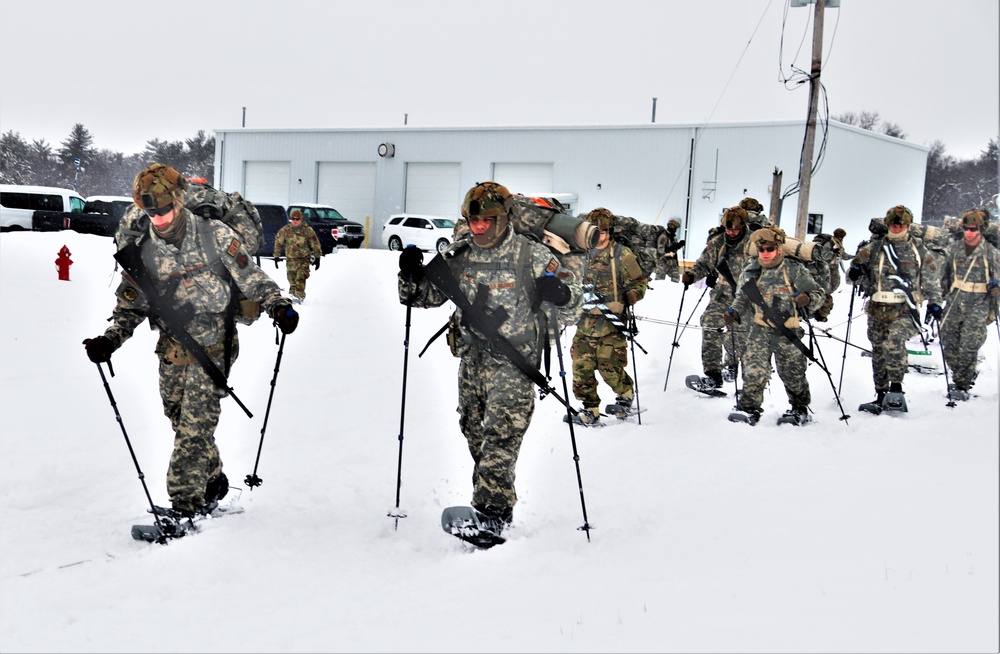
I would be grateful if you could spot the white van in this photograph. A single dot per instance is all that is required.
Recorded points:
(19, 203)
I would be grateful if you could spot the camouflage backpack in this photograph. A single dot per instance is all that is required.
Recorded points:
(640, 238)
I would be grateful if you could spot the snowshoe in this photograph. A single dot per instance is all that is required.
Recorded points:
(622, 412)
(749, 416)
(797, 417)
(895, 399)
(729, 374)
(467, 524)
(704, 385)
(585, 418)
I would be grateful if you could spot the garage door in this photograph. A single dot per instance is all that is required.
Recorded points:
(434, 188)
(267, 182)
(349, 188)
(526, 178)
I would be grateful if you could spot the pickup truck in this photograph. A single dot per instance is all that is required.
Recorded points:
(331, 227)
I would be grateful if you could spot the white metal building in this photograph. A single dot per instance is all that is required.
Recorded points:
(644, 171)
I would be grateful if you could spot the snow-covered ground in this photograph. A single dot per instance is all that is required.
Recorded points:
(875, 535)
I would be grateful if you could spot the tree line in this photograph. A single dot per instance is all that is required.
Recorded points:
(951, 185)
(99, 171)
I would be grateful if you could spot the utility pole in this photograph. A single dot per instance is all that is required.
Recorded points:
(805, 166)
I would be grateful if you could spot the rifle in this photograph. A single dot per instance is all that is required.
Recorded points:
(591, 300)
(476, 316)
(171, 320)
(904, 287)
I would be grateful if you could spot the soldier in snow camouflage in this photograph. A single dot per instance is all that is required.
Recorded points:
(297, 242)
(788, 287)
(496, 399)
(895, 260)
(667, 246)
(727, 246)
(971, 274)
(598, 344)
(189, 282)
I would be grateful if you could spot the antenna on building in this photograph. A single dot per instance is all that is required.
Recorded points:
(654, 110)
(406, 118)
(244, 116)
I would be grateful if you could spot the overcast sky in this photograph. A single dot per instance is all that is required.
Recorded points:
(133, 71)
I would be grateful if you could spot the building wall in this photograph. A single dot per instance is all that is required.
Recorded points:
(639, 171)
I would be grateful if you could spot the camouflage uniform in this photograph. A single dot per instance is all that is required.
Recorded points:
(495, 398)
(778, 284)
(297, 243)
(713, 340)
(666, 252)
(184, 277)
(598, 344)
(966, 273)
(890, 323)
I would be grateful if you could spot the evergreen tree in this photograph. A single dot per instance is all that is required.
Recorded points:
(15, 166)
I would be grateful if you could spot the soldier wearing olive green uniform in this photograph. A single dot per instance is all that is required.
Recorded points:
(522, 278)
(970, 272)
(615, 280)
(297, 242)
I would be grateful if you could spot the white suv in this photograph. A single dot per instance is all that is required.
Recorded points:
(426, 232)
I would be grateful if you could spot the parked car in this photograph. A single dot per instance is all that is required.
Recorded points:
(273, 217)
(426, 232)
(330, 225)
(19, 204)
(101, 214)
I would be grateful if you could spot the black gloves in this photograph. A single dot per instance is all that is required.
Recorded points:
(551, 289)
(802, 299)
(676, 246)
(687, 279)
(316, 263)
(993, 288)
(276, 260)
(711, 279)
(98, 349)
(730, 317)
(286, 318)
(935, 311)
(411, 263)
(854, 273)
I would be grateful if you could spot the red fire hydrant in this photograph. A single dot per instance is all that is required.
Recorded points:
(63, 262)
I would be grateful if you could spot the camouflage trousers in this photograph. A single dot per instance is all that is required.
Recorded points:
(297, 271)
(788, 359)
(889, 327)
(667, 268)
(495, 404)
(963, 332)
(714, 341)
(606, 354)
(192, 403)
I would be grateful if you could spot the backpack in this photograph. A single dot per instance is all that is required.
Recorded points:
(633, 235)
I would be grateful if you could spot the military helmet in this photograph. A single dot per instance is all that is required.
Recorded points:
(899, 215)
(674, 224)
(602, 218)
(839, 234)
(734, 218)
(772, 234)
(974, 218)
(158, 186)
(751, 204)
(487, 199)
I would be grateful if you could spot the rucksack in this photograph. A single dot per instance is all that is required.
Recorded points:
(640, 238)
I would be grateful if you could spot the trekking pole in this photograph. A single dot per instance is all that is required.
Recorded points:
(944, 365)
(736, 375)
(396, 512)
(572, 435)
(675, 344)
(252, 480)
(822, 364)
(118, 417)
(847, 338)
(633, 329)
